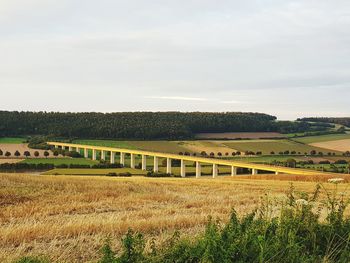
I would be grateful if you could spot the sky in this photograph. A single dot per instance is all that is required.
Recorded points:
(287, 58)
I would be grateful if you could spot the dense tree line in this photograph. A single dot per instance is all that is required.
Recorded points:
(342, 121)
(139, 125)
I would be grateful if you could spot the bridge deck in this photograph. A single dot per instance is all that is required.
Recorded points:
(262, 167)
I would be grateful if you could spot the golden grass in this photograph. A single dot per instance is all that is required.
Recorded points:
(67, 218)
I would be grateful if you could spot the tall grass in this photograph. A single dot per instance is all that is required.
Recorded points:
(291, 230)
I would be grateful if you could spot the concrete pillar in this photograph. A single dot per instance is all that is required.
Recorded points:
(198, 169)
(103, 155)
(86, 153)
(155, 164)
(277, 173)
(144, 163)
(233, 170)
(168, 165)
(56, 146)
(132, 160)
(183, 169)
(77, 149)
(94, 154)
(63, 148)
(122, 158)
(70, 148)
(215, 170)
(112, 157)
(254, 171)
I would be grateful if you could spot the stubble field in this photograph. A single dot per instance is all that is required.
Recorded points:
(67, 218)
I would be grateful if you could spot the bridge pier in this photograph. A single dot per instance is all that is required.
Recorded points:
(132, 161)
(77, 150)
(94, 154)
(103, 155)
(122, 158)
(86, 153)
(183, 168)
(215, 170)
(112, 157)
(155, 164)
(277, 173)
(198, 169)
(233, 170)
(168, 165)
(254, 171)
(144, 163)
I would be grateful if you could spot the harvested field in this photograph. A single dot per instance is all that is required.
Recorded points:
(12, 148)
(240, 135)
(294, 178)
(67, 218)
(7, 160)
(337, 145)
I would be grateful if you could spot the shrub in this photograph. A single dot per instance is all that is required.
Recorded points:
(340, 162)
(17, 153)
(153, 174)
(293, 233)
(7, 154)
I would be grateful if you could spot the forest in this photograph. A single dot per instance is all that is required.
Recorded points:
(341, 120)
(141, 125)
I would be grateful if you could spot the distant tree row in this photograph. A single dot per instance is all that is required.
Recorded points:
(342, 121)
(25, 153)
(140, 125)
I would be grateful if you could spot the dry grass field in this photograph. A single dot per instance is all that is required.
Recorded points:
(337, 145)
(67, 218)
(240, 135)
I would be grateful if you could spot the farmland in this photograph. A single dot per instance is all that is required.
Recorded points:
(67, 218)
(60, 161)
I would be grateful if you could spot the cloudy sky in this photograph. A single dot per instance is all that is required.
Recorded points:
(286, 58)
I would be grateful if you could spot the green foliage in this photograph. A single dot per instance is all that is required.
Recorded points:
(136, 125)
(295, 234)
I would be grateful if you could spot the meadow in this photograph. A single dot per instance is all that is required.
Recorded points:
(60, 161)
(12, 140)
(68, 218)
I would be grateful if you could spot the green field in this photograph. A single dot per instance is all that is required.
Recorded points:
(94, 171)
(59, 161)
(266, 146)
(106, 143)
(322, 138)
(12, 140)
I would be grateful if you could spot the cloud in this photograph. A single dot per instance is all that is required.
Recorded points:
(176, 98)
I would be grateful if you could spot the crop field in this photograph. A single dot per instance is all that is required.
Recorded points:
(322, 138)
(337, 145)
(68, 218)
(240, 135)
(59, 161)
(12, 140)
(75, 171)
(266, 146)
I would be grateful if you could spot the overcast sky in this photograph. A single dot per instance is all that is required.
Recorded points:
(286, 58)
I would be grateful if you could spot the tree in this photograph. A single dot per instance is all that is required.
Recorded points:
(212, 154)
(313, 152)
(17, 153)
(46, 154)
(233, 154)
(7, 154)
(291, 163)
(36, 153)
(26, 154)
(272, 152)
(1, 152)
(203, 153)
(55, 153)
(219, 154)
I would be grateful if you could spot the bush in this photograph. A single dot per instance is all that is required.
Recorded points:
(340, 162)
(153, 174)
(292, 234)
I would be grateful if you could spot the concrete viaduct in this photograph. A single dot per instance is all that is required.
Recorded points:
(156, 155)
